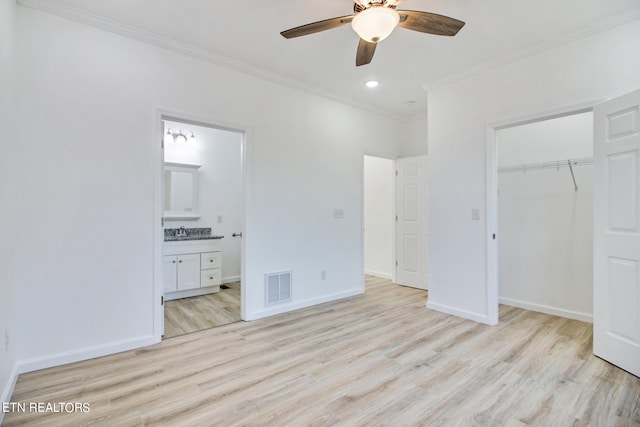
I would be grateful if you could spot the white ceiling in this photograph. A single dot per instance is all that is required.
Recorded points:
(247, 32)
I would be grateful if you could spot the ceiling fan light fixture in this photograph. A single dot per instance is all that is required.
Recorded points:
(376, 23)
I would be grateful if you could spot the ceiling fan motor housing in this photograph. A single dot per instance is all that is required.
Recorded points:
(360, 5)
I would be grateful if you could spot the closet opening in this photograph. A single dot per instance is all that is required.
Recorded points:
(545, 215)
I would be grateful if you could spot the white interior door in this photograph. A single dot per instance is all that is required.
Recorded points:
(411, 226)
(616, 305)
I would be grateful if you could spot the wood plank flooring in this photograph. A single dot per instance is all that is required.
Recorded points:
(186, 315)
(380, 359)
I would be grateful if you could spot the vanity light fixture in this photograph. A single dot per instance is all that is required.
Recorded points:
(179, 137)
(191, 138)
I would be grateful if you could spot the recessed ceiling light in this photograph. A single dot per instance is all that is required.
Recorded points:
(372, 83)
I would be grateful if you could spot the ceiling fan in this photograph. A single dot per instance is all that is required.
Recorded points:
(374, 20)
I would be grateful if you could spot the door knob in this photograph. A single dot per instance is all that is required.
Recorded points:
(237, 234)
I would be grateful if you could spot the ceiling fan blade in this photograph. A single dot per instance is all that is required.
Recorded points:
(430, 23)
(365, 52)
(316, 27)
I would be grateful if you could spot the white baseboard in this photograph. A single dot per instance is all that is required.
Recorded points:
(230, 279)
(378, 274)
(443, 308)
(284, 308)
(546, 309)
(63, 358)
(8, 389)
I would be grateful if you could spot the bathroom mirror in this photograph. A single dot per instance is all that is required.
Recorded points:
(181, 191)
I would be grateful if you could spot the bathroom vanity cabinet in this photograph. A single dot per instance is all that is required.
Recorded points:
(191, 268)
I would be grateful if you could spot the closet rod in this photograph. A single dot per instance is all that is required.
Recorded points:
(556, 164)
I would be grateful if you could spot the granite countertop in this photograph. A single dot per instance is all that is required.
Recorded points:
(173, 234)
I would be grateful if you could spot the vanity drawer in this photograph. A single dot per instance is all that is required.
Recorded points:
(210, 260)
(211, 277)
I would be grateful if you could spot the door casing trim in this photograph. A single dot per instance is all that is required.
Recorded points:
(160, 114)
(491, 193)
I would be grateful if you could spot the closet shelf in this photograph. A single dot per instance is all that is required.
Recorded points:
(556, 164)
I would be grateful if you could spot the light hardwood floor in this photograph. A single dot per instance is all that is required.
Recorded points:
(186, 315)
(380, 359)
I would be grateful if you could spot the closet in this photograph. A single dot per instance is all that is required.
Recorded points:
(545, 216)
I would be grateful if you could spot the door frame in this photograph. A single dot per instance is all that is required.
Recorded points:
(393, 201)
(159, 115)
(491, 194)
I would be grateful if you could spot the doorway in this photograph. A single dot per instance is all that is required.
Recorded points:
(545, 197)
(379, 217)
(395, 222)
(615, 225)
(203, 221)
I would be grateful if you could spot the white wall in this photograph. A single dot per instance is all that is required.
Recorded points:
(219, 153)
(379, 214)
(414, 142)
(85, 270)
(560, 138)
(599, 66)
(545, 226)
(10, 176)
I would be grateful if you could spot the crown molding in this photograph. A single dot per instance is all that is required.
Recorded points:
(593, 28)
(54, 7)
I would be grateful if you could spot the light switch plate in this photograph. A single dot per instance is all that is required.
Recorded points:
(338, 213)
(475, 214)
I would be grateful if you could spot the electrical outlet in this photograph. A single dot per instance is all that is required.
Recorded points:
(6, 340)
(219, 219)
(323, 275)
